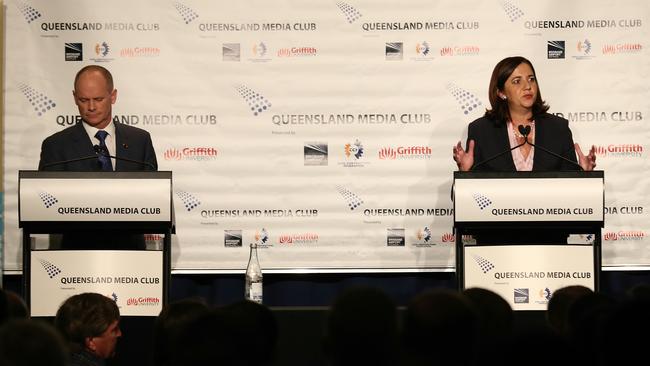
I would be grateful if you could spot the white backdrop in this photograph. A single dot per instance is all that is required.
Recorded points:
(323, 130)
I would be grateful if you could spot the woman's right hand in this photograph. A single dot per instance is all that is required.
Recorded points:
(464, 159)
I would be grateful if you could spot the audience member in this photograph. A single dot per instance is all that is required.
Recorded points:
(440, 328)
(362, 329)
(90, 323)
(26, 342)
(170, 324)
(495, 322)
(12, 306)
(558, 307)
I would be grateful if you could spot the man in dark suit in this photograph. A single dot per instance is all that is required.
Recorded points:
(88, 146)
(94, 95)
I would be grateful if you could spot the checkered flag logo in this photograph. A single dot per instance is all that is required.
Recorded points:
(350, 12)
(189, 201)
(511, 10)
(39, 101)
(187, 13)
(486, 266)
(256, 101)
(352, 199)
(48, 199)
(51, 269)
(466, 100)
(28, 12)
(481, 200)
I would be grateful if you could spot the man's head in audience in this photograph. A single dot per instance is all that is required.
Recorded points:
(90, 322)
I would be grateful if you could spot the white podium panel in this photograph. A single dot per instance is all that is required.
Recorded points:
(527, 275)
(133, 279)
(97, 200)
(528, 199)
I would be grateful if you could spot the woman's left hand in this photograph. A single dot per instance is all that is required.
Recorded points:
(587, 162)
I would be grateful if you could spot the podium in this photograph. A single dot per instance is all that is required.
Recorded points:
(94, 205)
(530, 207)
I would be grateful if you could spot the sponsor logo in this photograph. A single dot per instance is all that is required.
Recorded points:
(351, 13)
(143, 301)
(354, 149)
(466, 100)
(262, 237)
(113, 296)
(460, 51)
(315, 153)
(135, 52)
(259, 52)
(185, 12)
(422, 49)
(306, 238)
(232, 238)
(350, 198)
(231, 52)
(395, 237)
(48, 199)
(297, 52)
(624, 235)
(620, 151)
(622, 48)
(512, 11)
(544, 295)
(189, 200)
(29, 13)
(448, 238)
(102, 49)
(405, 153)
(484, 264)
(584, 49)
(191, 153)
(51, 270)
(256, 102)
(394, 51)
(39, 101)
(521, 296)
(424, 234)
(74, 52)
(481, 200)
(555, 50)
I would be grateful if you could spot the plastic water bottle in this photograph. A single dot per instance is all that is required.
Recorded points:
(253, 289)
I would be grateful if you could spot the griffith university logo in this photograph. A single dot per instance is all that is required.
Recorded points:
(39, 101)
(485, 265)
(512, 11)
(350, 197)
(51, 270)
(481, 200)
(255, 100)
(48, 199)
(189, 201)
(185, 12)
(29, 12)
(555, 50)
(350, 12)
(191, 153)
(467, 101)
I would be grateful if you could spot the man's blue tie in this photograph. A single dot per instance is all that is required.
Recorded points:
(104, 160)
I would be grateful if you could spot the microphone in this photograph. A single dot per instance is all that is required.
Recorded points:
(499, 154)
(63, 162)
(526, 130)
(102, 150)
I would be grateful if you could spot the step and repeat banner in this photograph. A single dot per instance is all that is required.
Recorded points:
(323, 130)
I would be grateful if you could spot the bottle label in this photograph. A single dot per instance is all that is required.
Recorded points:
(256, 292)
